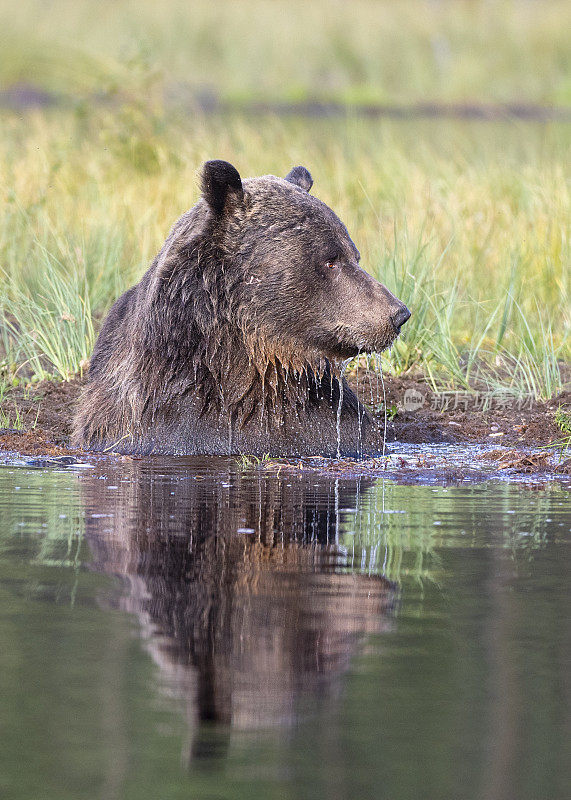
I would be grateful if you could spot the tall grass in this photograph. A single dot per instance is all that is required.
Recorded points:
(529, 363)
(469, 224)
(53, 332)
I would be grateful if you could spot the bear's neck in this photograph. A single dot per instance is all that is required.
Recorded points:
(239, 376)
(267, 383)
(209, 347)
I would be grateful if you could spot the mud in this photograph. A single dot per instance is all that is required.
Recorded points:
(504, 432)
(458, 417)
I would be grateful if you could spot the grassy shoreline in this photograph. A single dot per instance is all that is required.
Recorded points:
(468, 223)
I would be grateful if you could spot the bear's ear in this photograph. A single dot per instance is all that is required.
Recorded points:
(221, 184)
(300, 177)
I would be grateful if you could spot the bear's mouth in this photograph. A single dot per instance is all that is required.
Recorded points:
(351, 343)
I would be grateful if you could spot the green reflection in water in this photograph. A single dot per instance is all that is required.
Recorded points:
(457, 689)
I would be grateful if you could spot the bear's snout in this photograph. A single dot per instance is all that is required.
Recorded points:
(400, 317)
(386, 312)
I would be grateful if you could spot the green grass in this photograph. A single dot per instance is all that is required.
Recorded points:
(253, 462)
(50, 332)
(468, 223)
(10, 414)
(365, 51)
(11, 420)
(563, 422)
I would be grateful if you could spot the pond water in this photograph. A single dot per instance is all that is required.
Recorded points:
(193, 629)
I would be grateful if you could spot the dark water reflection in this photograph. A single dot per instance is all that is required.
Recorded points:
(191, 629)
(244, 595)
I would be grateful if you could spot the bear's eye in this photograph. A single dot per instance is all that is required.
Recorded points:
(330, 264)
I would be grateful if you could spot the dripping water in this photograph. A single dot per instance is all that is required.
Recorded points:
(369, 378)
(340, 404)
(359, 416)
(337, 511)
(379, 371)
(376, 360)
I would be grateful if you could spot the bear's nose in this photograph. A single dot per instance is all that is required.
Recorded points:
(401, 316)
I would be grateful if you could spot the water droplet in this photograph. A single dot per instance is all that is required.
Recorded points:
(339, 405)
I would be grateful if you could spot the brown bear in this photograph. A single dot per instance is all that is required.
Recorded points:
(232, 342)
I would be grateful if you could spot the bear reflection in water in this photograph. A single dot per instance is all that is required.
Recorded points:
(245, 600)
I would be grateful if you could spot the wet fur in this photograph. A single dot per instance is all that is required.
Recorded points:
(220, 348)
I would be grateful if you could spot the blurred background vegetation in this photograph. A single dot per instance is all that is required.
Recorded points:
(438, 130)
(353, 52)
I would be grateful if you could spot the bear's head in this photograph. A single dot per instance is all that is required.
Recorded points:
(300, 279)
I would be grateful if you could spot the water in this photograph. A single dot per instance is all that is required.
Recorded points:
(342, 369)
(185, 629)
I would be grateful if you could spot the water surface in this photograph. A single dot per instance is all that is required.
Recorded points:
(187, 628)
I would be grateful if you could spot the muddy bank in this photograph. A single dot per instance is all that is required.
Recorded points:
(456, 416)
(40, 419)
(415, 415)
